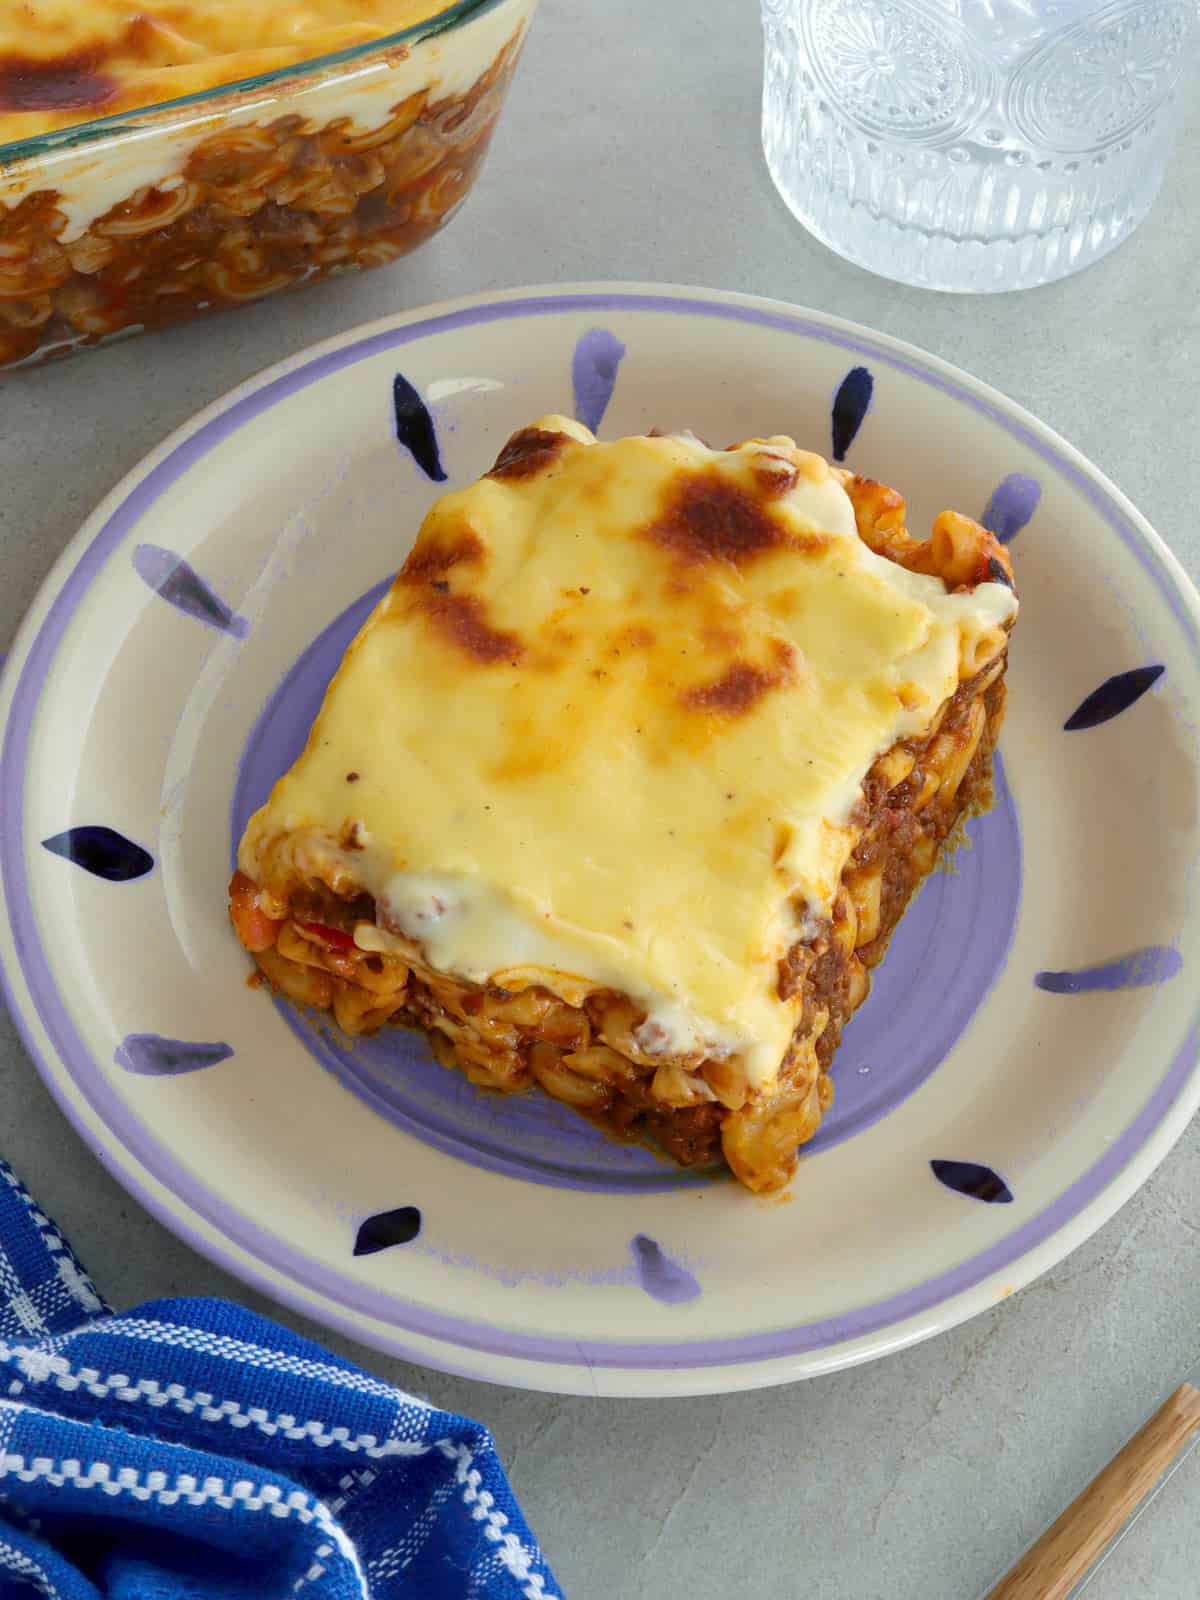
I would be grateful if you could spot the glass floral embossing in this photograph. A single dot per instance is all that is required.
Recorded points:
(893, 67)
(1095, 84)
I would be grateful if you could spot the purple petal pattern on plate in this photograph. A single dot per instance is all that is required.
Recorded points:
(850, 406)
(661, 1278)
(974, 1180)
(103, 852)
(1113, 696)
(387, 1228)
(1013, 503)
(152, 1056)
(594, 368)
(181, 586)
(415, 428)
(1140, 969)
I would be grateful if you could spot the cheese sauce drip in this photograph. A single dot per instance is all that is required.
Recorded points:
(63, 62)
(610, 723)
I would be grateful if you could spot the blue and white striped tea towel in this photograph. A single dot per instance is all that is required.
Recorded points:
(193, 1451)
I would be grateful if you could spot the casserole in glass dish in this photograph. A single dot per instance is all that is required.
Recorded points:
(164, 160)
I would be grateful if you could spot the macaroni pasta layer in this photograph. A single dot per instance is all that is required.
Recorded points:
(64, 62)
(646, 741)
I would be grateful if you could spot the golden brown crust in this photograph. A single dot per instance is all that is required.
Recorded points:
(528, 452)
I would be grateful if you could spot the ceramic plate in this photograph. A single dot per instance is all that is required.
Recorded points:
(1028, 1055)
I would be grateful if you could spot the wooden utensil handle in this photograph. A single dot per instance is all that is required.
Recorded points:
(1068, 1549)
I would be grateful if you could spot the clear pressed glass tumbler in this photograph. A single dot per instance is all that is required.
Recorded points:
(973, 144)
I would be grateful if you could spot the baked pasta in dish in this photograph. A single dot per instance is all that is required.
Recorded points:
(623, 787)
(126, 204)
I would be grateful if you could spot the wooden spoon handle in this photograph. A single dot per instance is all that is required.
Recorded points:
(1069, 1548)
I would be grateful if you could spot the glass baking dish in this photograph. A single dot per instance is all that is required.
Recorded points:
(158, 215)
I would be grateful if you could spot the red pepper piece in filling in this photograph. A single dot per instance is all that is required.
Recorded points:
(333, 937)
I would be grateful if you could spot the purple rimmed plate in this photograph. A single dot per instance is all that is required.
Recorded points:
(1027, 1057)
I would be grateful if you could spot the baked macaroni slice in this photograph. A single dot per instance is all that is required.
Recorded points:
(624, 786)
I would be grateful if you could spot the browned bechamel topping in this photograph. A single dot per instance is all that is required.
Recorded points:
(707, 519)
(528, 452)
(742, 685)
(461, 619)
(65, 83)
(145, 53)
(428, 562)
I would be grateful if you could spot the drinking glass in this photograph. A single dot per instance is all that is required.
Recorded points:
(973, 144)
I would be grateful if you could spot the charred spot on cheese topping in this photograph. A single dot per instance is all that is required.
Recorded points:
(528, 452)
(431, 560)
(709, 518)
(742, 685)
(461, 620)
(65, 83)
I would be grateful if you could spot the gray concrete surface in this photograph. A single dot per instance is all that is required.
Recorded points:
(631, 151)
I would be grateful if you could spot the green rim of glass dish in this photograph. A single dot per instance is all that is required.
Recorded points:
(122, 121)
